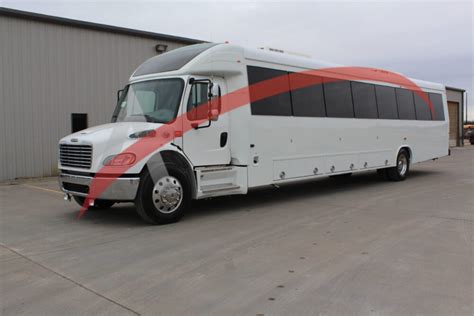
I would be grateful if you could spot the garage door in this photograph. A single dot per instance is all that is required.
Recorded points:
(453, 108)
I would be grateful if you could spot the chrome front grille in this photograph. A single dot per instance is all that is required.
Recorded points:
(78, 156)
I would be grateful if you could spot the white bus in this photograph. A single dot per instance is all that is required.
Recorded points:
(334, 128)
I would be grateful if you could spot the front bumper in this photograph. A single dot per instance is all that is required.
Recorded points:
(118, 189)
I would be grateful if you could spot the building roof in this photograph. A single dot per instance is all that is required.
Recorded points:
(94, 26)
(455, 89)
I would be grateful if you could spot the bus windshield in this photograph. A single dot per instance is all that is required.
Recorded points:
(155, 101)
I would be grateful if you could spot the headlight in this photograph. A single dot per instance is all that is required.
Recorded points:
(147, 133)
(123, 159)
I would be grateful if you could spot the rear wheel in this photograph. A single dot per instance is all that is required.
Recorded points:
(400, 171)
(98, 204)
(164, 194)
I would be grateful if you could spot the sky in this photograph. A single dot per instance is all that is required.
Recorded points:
(428, 40)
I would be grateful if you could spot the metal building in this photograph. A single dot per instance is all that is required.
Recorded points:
(456, 103)
(55, 73)
(59, 74)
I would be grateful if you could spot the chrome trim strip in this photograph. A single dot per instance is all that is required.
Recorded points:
(121, 189)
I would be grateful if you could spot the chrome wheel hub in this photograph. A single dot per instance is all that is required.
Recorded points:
(167, 194)
(402, 165)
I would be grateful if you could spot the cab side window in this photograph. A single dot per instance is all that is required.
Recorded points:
(198, 102)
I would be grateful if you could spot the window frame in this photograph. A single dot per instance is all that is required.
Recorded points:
(255, 104)
(190, 110)
(338, 81)
(395, 98)
(417, 97)
(378, 90)
(124, 95)
(294, 92)
(375, 100)
(398, 104)
(434, 107)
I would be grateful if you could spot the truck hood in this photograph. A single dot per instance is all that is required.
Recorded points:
(107, 140)
(109, 131)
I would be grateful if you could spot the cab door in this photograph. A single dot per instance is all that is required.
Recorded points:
(207, 142)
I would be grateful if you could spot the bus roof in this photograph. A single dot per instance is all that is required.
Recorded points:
(198, 57)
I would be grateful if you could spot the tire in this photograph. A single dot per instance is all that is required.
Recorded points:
(98, 204)
(400, 171)
(163, 195)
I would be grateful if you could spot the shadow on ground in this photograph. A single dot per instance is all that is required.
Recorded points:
(123, 214)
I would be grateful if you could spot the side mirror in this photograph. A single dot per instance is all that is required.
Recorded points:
(214, 90)
(119, 94)
(214, 101)
(213, 115)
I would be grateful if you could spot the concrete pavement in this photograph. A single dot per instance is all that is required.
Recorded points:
(357, 246)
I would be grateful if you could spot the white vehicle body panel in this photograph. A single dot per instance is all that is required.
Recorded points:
(264, 150)
(109, 140)
(202, 146)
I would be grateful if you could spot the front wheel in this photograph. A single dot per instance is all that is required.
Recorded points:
(400, 171)
(163, 195)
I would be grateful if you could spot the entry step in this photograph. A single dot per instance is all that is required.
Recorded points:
(221, 180)
(219, 187)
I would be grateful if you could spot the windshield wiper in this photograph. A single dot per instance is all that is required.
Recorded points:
(148, 118)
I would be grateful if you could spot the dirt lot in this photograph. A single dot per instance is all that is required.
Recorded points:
(357, 246)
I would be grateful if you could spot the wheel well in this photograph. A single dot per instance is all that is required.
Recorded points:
(408, 150)
(172, 157)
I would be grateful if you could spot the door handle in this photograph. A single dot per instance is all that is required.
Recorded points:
(223, 139)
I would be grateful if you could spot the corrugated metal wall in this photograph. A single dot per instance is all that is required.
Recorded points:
(47, 72)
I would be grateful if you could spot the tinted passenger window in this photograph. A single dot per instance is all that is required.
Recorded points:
(423, 111)
(307, 101)
(365, 104)
(386, 102)
(437, 102)
(338, 98)
(279, 104)
(406, 104)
